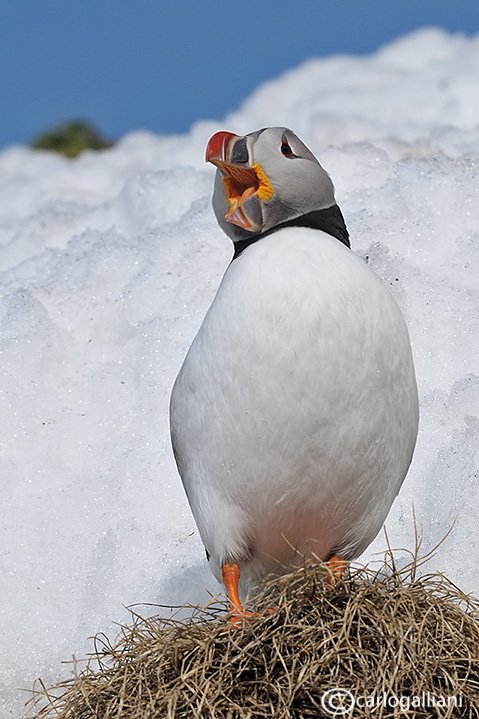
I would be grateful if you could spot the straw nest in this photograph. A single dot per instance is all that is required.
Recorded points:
(372, 644)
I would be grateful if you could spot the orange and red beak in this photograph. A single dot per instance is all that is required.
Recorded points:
(242, 179)
(217, 147)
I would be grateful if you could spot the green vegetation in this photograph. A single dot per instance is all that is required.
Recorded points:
(71, 138)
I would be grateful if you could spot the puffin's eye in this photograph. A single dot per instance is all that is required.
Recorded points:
(286, 149)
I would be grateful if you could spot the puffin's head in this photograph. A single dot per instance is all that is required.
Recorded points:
(264, 179)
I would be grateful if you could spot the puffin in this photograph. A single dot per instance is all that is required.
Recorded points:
(294, 416)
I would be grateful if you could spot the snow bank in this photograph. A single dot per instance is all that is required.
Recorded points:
(108, 264)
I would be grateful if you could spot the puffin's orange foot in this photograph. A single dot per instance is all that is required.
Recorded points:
(236, 618)
(337, 567)
(231, 574)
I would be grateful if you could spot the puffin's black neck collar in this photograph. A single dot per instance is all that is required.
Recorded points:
(329, 220)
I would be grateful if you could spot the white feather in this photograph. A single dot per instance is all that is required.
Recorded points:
(294, 416)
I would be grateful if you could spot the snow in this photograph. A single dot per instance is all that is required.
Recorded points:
(108, 264)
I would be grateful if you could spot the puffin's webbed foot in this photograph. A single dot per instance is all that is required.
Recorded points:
(231, 574)
(337, 567)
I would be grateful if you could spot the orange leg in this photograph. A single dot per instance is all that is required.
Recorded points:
(231, 574)
(337, 567)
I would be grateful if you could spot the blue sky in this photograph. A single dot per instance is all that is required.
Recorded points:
(163, 64)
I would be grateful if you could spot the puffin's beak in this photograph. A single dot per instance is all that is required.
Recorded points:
(246, 183)
(217, 147)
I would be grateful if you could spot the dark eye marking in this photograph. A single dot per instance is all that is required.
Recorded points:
(286, 149)
(239, 154)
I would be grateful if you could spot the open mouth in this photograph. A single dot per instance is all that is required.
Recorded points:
(240, 183)
(244, 185)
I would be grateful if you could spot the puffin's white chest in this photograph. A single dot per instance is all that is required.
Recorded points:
(294, 415)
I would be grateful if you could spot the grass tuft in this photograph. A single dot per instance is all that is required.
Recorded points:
(387, 637)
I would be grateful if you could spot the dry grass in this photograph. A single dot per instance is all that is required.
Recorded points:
(387, 635)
